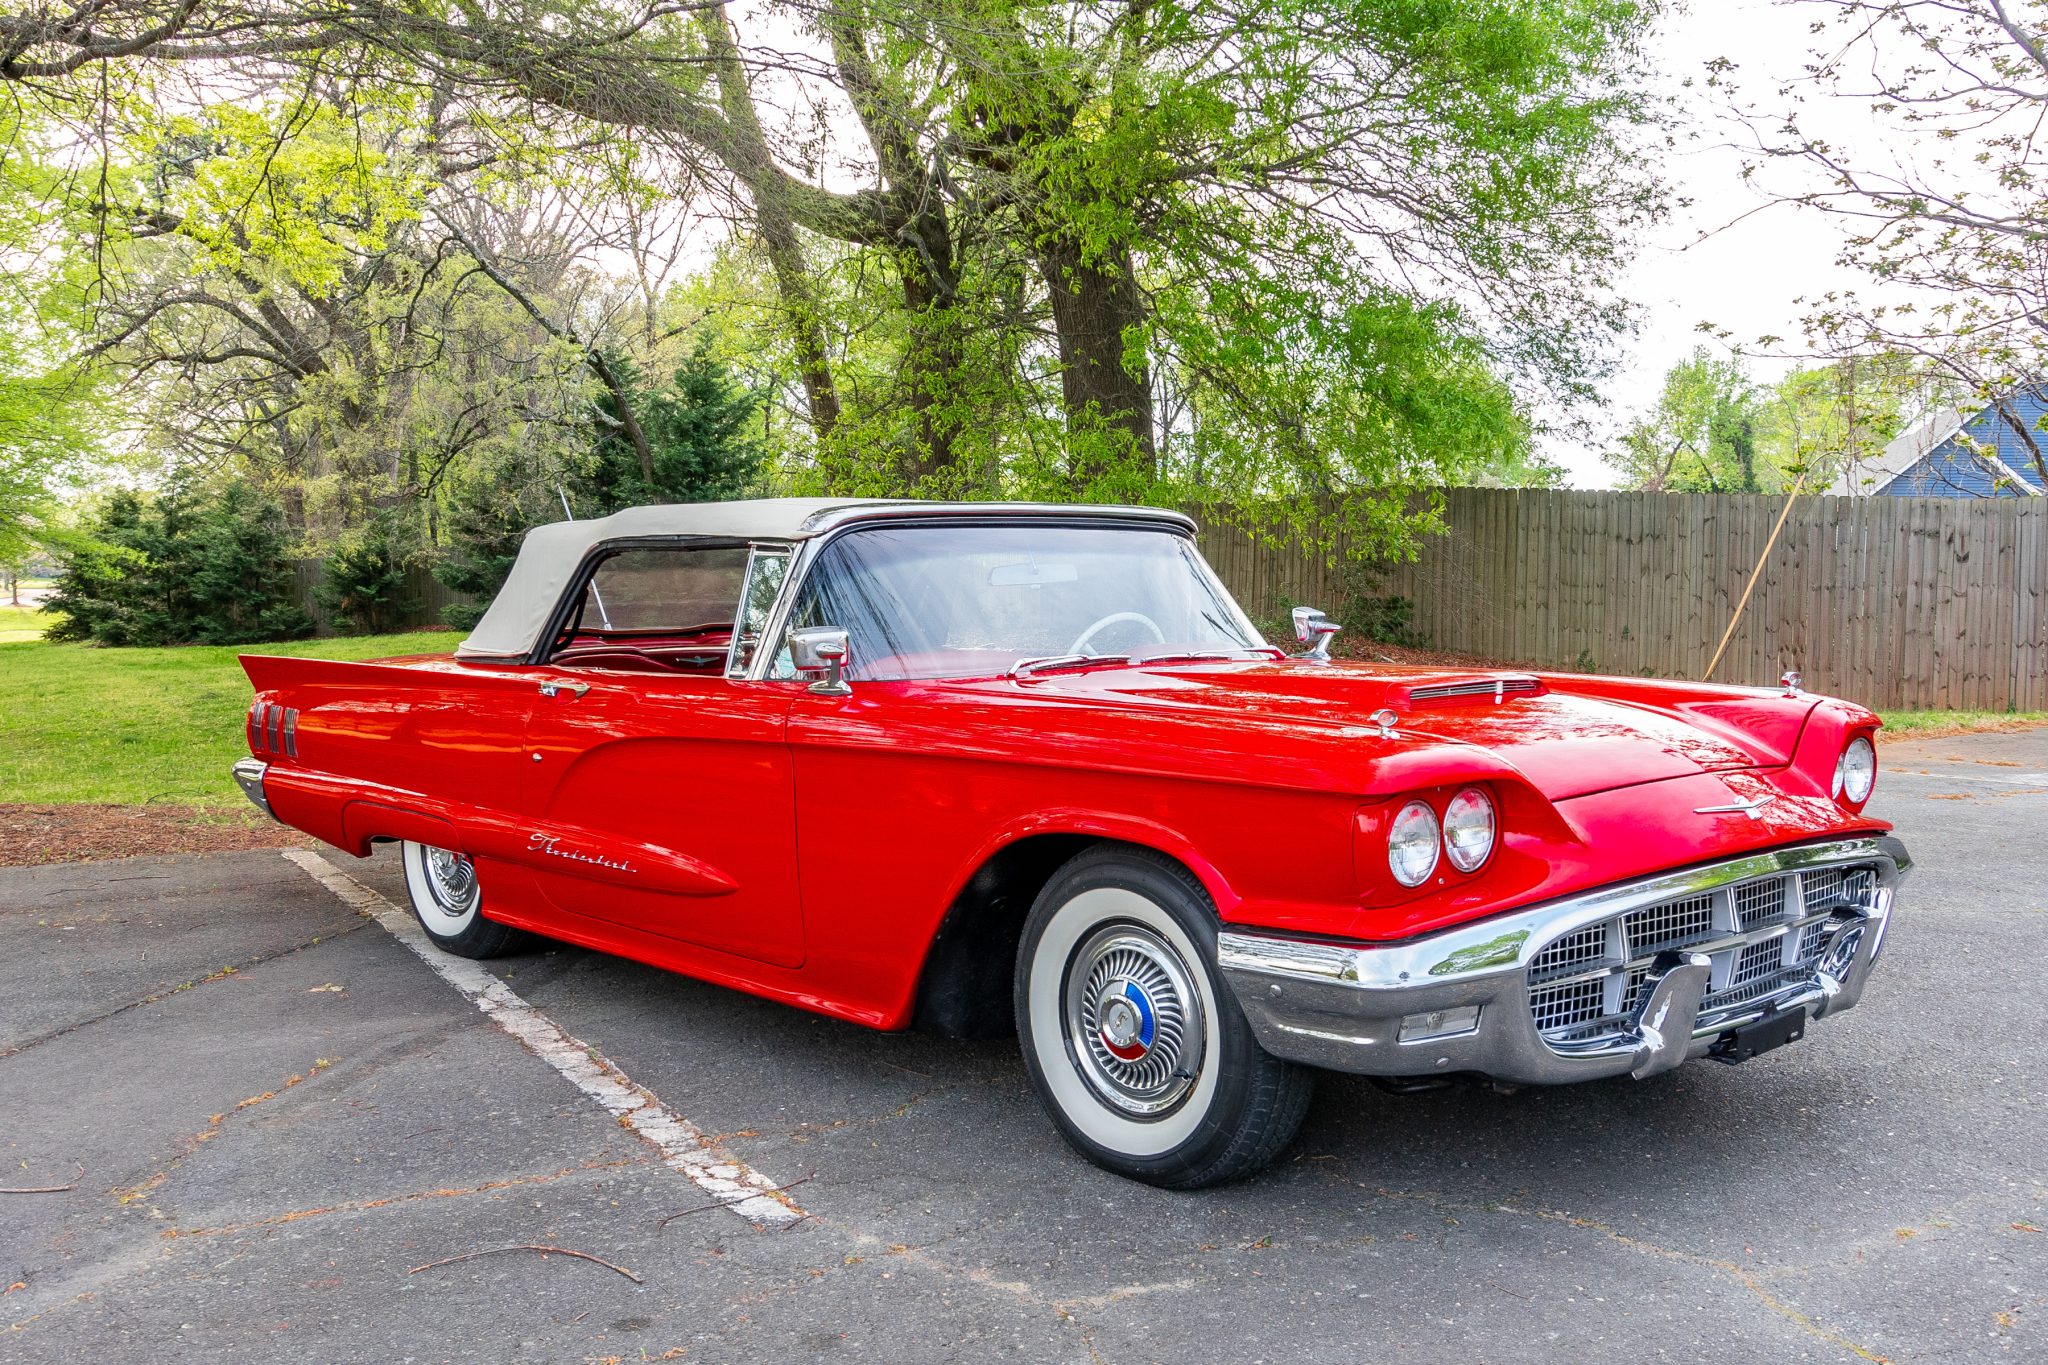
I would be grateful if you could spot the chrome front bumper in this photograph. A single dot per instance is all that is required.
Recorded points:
(1344, 1006)
(249, 777)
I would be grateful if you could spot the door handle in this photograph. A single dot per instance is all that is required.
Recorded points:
(574, 690)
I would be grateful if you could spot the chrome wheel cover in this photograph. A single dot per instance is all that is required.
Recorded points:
(1134, 1020)
(444, 889)
(451, 878)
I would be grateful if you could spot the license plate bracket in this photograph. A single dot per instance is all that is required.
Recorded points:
(1751, 1040)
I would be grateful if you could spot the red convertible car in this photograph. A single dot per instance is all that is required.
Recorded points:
(995, 766)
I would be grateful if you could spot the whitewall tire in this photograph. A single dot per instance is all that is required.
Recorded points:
(1138, 1050)
(448, 902)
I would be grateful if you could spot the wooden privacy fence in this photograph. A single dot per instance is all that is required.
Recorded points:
(429, 596)
(1894, 602)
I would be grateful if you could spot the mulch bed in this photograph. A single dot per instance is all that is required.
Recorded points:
(64, 834)
(1379, 652)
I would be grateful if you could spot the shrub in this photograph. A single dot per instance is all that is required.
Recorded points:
(191, 565)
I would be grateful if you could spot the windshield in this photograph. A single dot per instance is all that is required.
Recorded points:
(975, 601)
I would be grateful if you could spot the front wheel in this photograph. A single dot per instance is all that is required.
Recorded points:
(449, 904)
(1140, 1054)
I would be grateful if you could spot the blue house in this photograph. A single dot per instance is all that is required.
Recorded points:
(1950, 455)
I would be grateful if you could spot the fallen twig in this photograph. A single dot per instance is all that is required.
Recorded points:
(728, 1203)
(545, 1251)
(39, 1189)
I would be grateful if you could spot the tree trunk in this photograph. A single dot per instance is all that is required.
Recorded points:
(1093, 305)
(750, 160)
(915, 224)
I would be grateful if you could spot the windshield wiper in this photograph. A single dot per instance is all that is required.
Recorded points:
(1025, 667)
(1207, 656)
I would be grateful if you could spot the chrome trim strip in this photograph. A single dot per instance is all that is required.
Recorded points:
(248, 774)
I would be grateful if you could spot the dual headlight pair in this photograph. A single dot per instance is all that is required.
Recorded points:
(1466, 833)
(1464, 836)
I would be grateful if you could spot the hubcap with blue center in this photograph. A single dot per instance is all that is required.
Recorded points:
(1134, 1020)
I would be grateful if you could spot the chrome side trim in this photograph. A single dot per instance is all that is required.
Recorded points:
(1340, 1005)
(248, 774)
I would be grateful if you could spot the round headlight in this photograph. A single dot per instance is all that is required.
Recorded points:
(1857, 772)
(1412, 843)
(1468, 829)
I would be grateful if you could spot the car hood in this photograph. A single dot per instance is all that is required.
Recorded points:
(1566, 736)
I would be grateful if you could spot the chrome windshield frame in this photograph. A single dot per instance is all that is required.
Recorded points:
(805, 562)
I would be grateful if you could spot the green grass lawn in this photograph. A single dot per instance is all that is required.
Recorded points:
(79, 723)
(1929, 724)
(21, 623)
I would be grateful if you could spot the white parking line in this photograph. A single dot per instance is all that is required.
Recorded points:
(733, 1183)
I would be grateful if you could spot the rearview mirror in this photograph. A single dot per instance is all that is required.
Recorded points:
(821, 649)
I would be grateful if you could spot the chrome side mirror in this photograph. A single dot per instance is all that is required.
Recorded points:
(821, 649)
(1314, 629)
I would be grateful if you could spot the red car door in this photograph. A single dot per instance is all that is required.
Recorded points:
(660, 787)
(665, 805)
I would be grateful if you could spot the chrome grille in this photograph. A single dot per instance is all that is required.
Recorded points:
(1669, 925)
(1564, 1006)
(1762, 936)
(1760, 902)
(1838, 885)
(1575, 949)
(1758, 961)
(1809, 941)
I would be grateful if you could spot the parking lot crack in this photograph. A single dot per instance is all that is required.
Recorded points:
(215, 1126)
(233, 969)
(400, 1200)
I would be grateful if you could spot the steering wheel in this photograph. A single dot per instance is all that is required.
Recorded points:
(1080, 645)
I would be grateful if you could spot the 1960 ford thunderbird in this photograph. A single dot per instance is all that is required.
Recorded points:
(976, 767)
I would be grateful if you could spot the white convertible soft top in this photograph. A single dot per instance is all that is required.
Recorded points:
(550, 555)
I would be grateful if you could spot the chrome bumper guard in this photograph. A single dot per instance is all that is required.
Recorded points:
(1462, 996)
(249, 777)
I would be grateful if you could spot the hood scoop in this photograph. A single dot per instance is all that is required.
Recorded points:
(1474, 689)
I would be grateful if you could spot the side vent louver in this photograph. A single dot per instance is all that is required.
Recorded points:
(1496, 688)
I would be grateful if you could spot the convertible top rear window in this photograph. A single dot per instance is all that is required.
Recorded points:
(663, 589)
(968, 601)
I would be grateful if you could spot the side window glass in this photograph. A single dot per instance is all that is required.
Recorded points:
(657, 610)
(766, 571)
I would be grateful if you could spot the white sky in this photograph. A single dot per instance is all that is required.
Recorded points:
(1695, 268)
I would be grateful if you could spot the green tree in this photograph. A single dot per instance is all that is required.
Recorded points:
(1099, 250)
(697, 431)
(1942, 191)
(1821, 421)
(1701, 437)
(698, 436)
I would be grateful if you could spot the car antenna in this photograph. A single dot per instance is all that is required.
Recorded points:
(595, 595)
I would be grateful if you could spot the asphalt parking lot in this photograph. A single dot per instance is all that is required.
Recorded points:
(274, 1117)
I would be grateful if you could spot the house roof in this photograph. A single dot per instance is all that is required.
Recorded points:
(1901, 453)
(550, 555)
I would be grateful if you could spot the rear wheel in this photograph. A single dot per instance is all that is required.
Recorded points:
(449, 904)
(1136, 1047)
